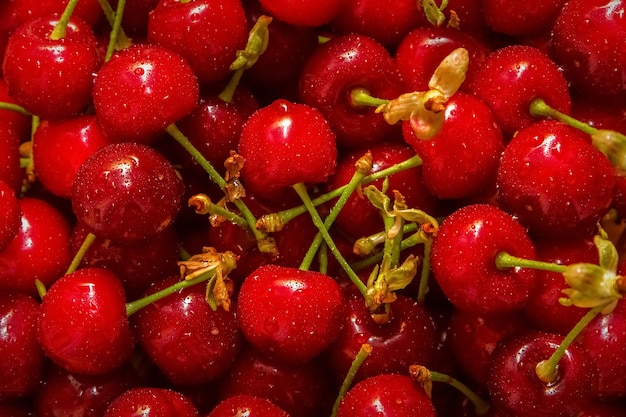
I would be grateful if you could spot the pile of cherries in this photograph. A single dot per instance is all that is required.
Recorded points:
(311, 208)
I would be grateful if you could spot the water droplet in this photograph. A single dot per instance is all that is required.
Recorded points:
(271, 325)
(139, 71)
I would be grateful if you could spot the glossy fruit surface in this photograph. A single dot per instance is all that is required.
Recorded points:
(151, 402)
(247, 405)
(10, 223)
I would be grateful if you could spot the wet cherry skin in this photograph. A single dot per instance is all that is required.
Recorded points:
(303, 12)
(151, 402)
(10, 171)
(247, 405)
(521, 18)
(12, 215)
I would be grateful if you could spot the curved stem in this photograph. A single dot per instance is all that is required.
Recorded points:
(360, 97)
(505, 260)
(540, 108)
(61, 27)
(364, 352)
(14, 107)
(481, 407)
(80, 254)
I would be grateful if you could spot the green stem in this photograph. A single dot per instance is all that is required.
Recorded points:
(505, 260)
(14, 107)
(481, 407)
(364, 352)
(409, 242)
(122, 40)
(229, 91)
(115, 30)
(322, 258)
(202, 204)
(61, 27)
(540, 108)
(319, 223)
(423, 286)
(80, 254)
(360, 97)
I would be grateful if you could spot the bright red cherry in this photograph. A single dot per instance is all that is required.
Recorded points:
(141, 90)
(12, 215)
(303, 12)
(151, 402)
(247, 405)
(126, 192)
(83, 326)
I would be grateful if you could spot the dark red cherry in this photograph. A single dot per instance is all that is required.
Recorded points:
(136, 16)
(247, 405)
(25, 10)
(189, 342)
(554, 181)
(51, 78)
(126, 192)
(516, 390)
(588, 42)
(19, 122)
(463, 260)
(60, 147)
(207, 34)
(83, 325)
(141, 90)
(12, 215)
(388, 395)
(340, 67)
(521, 18)
(458, 163)
(40, 251)
(284, 144)
(511, 77)
(278, 306)
(303, 12)
(151, 402)
(10, 171)
(23, 360)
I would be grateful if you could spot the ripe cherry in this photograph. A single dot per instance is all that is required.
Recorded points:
(521, 19)
(18, 121)
(10, 171)
(247, 405)
(126, 192)
(151, 402)
(303, 12)
(278, 306)
(10, 222)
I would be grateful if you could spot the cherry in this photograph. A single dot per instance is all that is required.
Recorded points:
(463, 260)
(278, 306)
(303, 12)
(527, 73)
(515, 388)
(18, 120)
(23, 360)
(40, 251)
(67, 393)
(283, 144)
(521, 19)
(189, 341)
(25, 10)
(555, 181)
(408, 338)
(207, 34)
(10, 171)
(600, 409)
(248, 405)
(387, 395)
(470, 170)
(126, 192)
(151, 402)
(336, 71)
(141, 90)
(587, 41)
(60, 147)
(136, 16)
(10, 223)
(49, 76)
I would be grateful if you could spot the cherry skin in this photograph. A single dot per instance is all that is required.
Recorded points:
(151, 402)
(278, 306)
(64, 67)
(587, 42)
(136, 16)
(25, 10)
(521, 19)
(10, 171)
(387, 395)
(23, 360)
(19, 122)
(60, 147)
(463, 260)
(555, 181)
(126, 192)
(29, 256)
(339, 67)
(303, 12)
(141, 90)
(207, 34)
(515, 388)
(247, 405)
(12, 217)
(185, 338)
(527, 73)
(471, 169)
(83, 326)
(284, 144)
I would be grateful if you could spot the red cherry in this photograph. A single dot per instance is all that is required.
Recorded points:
(521, 18)
(278, 306)
(23, 360)
(10, 171)
(303, 12)
(12, 215)
(336, 69)
(187, 340)
(151, 402)
(463, 260)
(126, 192)
(388, 395)
(527, 73)
(284, 144)
(207, 34)
(51, 78)
(60, 148)
(25, 10)
(554, 181)
(141, 90)
(136, 16)
(17, 121)
(247, 405)
(40, 251)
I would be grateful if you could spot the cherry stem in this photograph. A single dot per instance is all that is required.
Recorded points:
(505, 260)
(263, 241)
(229, 91)
(61, 27)
(547, 370)
(202, 204)
(481, 407)
(360, 97)
(300, 188)
(539, 108)
(322, 258)
(360, 357)
(122, 40)
(14, 107)
(392, 246)
(425, 274)
(363, 167)
(80, 254)
(115, 29)
(409, 242)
